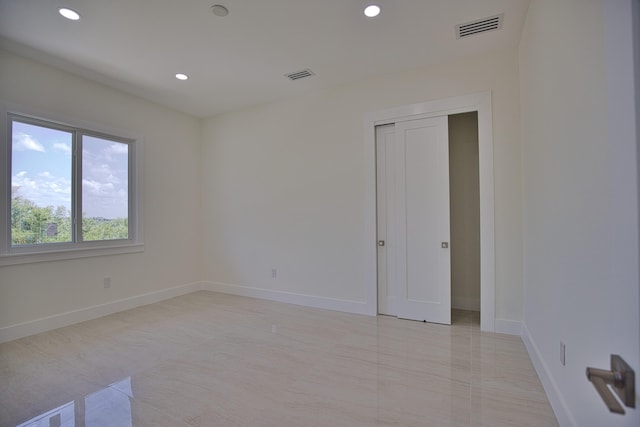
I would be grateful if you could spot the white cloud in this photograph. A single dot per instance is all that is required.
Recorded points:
(104, 178)
(23, 142)
(103, 199)
(119, 148)
(100, 173)
(100, 198)
(44, 189)
(65, 148)
(97, 188)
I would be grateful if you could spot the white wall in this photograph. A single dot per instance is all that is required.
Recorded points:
(283, 184)
(171, 197)
(464, 192)
(580, 199)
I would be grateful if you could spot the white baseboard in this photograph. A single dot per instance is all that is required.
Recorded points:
(462, 303)
(564, 416)
(356, 307)
(511, 327)
(44, 324)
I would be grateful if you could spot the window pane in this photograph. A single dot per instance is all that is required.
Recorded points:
(105, 189)
(40, 184)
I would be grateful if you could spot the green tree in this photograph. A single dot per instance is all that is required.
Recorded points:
(104, 229)
(32, 224)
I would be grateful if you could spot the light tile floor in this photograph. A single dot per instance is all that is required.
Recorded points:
(208, 359)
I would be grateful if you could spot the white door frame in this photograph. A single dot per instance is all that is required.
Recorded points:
(480, 102)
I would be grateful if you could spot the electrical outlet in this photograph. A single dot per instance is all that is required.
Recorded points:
(562, 353)
(274, 273)
(107, 282)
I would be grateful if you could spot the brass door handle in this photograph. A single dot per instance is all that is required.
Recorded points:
(621, 378)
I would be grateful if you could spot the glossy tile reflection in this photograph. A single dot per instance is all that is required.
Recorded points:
(208, 359)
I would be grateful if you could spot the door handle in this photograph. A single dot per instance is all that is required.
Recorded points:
(621, 378)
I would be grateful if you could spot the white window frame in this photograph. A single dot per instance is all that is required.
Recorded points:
(10, 255)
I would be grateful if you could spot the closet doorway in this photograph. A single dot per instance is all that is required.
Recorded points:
(433, 225)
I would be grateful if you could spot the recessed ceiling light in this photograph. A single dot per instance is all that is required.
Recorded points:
(69, 14)
(219, 10)
(372, 10)
(181, 76)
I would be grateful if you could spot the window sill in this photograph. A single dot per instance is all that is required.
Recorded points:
(66, 254)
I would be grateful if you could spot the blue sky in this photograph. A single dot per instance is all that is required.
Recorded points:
(41, 169)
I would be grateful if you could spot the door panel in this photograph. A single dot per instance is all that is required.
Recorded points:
(422, 250)
(414, 270)
(385, 137)
(422, 222)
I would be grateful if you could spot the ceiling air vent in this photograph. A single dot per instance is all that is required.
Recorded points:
(300, 74)
(480, 26)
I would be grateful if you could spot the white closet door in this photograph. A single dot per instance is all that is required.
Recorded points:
(385, 182)
(422, 277)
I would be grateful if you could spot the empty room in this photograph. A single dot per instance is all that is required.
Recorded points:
(329, 213)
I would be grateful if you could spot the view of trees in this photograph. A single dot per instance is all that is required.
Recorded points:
(32, 224)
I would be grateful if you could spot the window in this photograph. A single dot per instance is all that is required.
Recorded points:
(72, 192)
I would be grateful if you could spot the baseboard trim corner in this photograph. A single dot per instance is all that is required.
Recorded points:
(348, 306)
(563, 415)
(510, 327)
(32, 327)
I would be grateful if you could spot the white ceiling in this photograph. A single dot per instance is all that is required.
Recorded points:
(240, 60)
